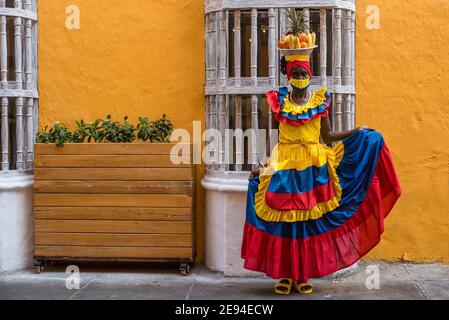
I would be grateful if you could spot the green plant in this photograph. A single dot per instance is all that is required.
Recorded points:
(112, 131)
(59, 135)
(90, 131)
(108, 131)
(161, 129)
(143, 129)
(43, 136)
(155, 131)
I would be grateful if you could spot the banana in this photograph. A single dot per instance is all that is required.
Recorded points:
(291, 41)
(313, 39)
(296, 42)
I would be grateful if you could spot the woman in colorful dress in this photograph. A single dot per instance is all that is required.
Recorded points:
(314, 210)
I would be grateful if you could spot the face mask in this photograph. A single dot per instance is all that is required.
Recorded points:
(300, 84)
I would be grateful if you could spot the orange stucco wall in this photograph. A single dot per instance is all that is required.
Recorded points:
(123, 61)
(402, 77)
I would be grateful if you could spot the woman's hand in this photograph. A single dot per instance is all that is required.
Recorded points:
(257, 171)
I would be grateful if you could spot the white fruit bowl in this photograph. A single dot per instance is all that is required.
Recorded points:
(302, 51)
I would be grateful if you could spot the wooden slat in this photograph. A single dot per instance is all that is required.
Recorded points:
(74, 186)
(111, 226)
(113, 252)
(139, 174)
(106, 161)
(112, 200)
(113, 213)
(109, 148)
(113, 240)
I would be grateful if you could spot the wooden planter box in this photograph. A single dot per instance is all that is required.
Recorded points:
(122, 202)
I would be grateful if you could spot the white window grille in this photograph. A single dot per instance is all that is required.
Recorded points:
(242, 65)
(18, 84)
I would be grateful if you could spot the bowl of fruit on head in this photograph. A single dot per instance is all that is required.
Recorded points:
(299, 40)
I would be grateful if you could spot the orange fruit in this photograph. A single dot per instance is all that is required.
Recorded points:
(303, 37)
(282, 45)
(304, 45)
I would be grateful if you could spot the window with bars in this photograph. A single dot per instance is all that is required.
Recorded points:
(18, 84)
(242, 65)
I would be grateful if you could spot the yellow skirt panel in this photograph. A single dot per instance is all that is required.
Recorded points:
(300, 157)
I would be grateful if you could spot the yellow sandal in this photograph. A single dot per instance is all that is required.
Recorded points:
(304, 288)
(283, 286)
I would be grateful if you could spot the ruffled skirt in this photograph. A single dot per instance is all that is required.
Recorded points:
(320, 209)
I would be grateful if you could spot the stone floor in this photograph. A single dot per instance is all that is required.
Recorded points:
(163, 282)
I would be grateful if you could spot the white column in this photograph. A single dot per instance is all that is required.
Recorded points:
(223, 48)
(213, 48)
(19, 86)
(283, 30)
(29, 86)
(323, 47)
(239, 145)
(337, 47)
(353, 48)
(4, 53)
(207, 48)
(18, 43)
(338, 112)
(254, 41)
(307, 17)
(214, 125)
(30, 133)
(223, 118)
(255, 127)
(272, 46)
(5, 135)
(237, 48)
(347, 54)
(19, 134)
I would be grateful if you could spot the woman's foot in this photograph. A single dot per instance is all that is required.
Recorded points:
(304, 287)
(283, 286)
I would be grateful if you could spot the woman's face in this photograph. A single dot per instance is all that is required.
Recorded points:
(299, 73)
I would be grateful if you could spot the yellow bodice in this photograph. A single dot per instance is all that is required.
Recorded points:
(308, 133)
(299, 124)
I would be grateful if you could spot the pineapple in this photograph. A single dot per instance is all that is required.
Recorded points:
(296, 20)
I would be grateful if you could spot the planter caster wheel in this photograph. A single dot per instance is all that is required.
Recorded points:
(40, 266)
(184, 269)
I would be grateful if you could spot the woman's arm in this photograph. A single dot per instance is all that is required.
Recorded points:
(329, 136)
